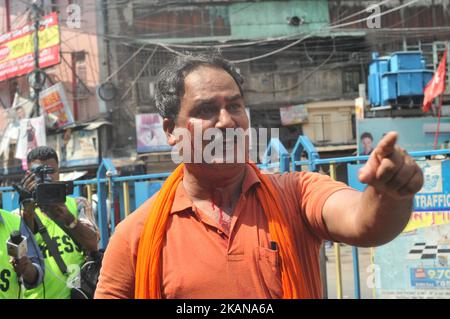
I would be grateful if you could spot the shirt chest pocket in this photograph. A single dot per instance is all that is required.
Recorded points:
(269, 271)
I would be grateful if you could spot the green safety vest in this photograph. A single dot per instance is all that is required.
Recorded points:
(9, 284)
(55, 282)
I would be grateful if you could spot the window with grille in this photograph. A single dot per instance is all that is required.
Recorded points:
(146, 82)
(178, 22)
(322, 128)
(81, 78)
(432, 53)
(351, 80)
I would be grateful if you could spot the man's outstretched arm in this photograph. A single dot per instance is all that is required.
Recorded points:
(377, 215)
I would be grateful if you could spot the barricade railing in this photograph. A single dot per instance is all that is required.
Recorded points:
(304, 146)
(115, 197)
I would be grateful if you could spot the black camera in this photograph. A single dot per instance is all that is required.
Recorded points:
(48, 192)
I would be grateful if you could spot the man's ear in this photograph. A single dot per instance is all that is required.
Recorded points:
(169, 126)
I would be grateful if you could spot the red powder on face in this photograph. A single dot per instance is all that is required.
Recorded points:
(220, 217)
(213, 206)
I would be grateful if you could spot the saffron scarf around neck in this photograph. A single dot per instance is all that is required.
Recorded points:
(148, 276)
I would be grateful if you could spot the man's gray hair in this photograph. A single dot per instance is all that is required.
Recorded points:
(170, 81)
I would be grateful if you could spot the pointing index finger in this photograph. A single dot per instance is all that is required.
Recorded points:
(387, 145)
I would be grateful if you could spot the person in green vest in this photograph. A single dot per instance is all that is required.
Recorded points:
(71, 230)
(28, 270)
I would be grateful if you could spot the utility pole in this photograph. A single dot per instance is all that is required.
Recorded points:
(37, 78)
(8, 29)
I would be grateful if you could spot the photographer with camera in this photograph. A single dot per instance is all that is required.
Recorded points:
(20, 259)
(63, 226)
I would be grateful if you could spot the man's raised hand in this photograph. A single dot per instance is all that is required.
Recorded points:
(391, 171)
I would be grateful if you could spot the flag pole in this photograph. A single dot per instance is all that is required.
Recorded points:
(436, 136)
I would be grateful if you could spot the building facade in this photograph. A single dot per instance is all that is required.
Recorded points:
(286, 51)
(78, 70)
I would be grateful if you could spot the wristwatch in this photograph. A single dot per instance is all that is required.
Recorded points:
(73, 224)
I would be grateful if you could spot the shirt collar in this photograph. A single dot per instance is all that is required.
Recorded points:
(1, 218)
(250, 179)
(182, 201)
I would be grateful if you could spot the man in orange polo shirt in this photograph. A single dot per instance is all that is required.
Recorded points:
(224, 230)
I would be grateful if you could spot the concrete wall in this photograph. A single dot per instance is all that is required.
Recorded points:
(270, 18)
(334, 118)
(188, 21)
(323, 84)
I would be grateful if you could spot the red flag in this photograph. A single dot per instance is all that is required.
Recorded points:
(436, 86)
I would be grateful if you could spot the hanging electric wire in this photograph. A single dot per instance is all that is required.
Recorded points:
(144, 68)
(317, 32)
(125, 63)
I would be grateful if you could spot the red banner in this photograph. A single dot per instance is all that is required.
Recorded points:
(17, 48)
(436, 86)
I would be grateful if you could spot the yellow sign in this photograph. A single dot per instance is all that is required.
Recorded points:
(427, 219)
(359, 108)
(17, 48)
(25, 45)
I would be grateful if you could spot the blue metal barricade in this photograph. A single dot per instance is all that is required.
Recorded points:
(126, 193)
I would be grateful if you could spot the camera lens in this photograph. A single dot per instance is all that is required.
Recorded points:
(36, 168)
